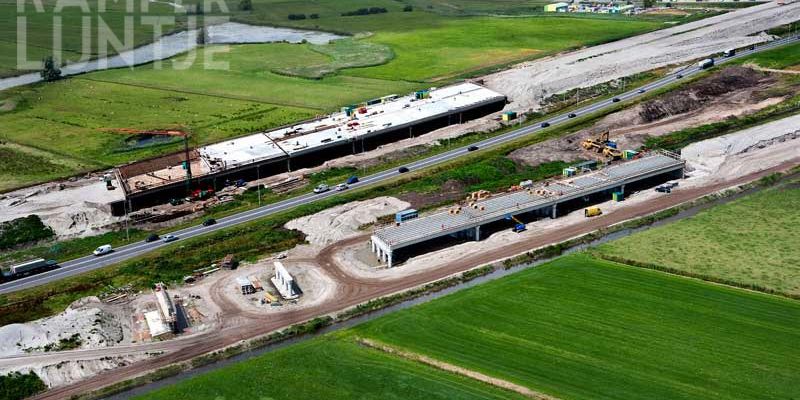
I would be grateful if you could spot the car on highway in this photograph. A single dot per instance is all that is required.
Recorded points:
(402, 170)
(102, 250)
(169, 238)
(615, 99)
(545, 124)
(151, 238)
(209, 222)
(642, 90)
(341, 186)
(472, 148)
(321, 188)
(679, 76)
(572, 115)
(351, 180)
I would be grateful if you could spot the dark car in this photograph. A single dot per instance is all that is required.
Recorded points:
(151, 238)
(545, 124)
(642, 90)
(351, 180)
(679, 76)
(402, 170)
(472, 148)
(615, 99)
(572, 115)
(209, 222)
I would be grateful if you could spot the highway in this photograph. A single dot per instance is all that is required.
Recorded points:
(127, 252)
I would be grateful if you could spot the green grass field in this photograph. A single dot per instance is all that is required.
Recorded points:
(329, 368)
(752, 240)
(575, 328)
(40, 27)
(69, 121)
(780, 58)
(579, 328)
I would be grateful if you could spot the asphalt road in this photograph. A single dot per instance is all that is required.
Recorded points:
(88, 263)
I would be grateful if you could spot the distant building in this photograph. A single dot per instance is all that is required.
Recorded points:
(625, 9)
(556, 7)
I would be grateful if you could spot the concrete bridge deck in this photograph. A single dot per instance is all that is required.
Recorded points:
(544, 196)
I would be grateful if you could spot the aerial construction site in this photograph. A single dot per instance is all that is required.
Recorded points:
(515, 229)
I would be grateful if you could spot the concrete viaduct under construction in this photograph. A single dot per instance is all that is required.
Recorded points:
(543, 200)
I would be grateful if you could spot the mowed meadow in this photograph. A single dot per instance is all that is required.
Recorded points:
(752, 241)
(574, 328)
(269, 85)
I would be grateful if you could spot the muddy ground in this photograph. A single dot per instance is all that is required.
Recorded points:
(734, 91)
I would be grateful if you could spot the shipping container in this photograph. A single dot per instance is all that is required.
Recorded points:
(406, 215)
(509, 116)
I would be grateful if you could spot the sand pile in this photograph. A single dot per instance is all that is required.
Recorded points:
(79, 326)
(334, 224)
(748, 150)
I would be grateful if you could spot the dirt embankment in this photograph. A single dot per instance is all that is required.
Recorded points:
(528, 83)
(732, 92)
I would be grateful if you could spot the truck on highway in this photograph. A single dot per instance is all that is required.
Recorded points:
(28, 268)
(729, 53)
(707, 63)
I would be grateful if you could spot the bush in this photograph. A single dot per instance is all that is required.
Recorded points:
(408, 8)
(314, 16)
(23, 231)
(297, 17)
(50, 71)
(365, 11)
(15, 385)
(246, 5)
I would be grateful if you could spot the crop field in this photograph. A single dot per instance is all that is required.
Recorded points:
(580, 328)
(780, 58)
(751, 241)
(576, 328)
(329, 368)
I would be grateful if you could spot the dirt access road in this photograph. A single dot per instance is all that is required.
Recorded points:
(239, 325)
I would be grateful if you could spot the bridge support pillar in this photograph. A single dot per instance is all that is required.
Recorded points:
(554, 212)
(478, 233)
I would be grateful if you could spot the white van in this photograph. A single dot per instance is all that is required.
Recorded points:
(104, 249)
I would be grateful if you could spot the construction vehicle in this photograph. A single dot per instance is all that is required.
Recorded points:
(612, 153)
(519, 226)
(27, 268)
(592, 212)
(602, 144)
(707, 63)
(597, 143)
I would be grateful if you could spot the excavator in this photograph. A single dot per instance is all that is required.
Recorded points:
(601, 144)
(519, 226)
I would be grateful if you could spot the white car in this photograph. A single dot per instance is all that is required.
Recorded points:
(104, 249)
(321, 188)
(341, 186)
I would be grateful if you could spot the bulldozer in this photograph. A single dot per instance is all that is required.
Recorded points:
(612, 153)
(602, 144)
